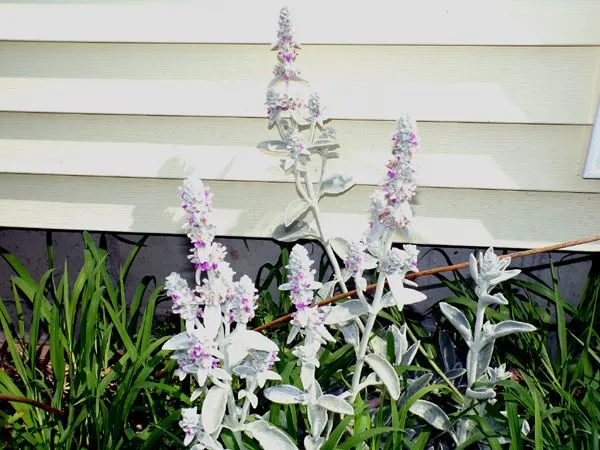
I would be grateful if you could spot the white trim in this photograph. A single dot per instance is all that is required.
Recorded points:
(459, 22)
(592, 163)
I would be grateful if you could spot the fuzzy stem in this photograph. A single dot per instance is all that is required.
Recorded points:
(231, 405)
(362, 347)
(476, 345)
(317, 215)
(246, 407)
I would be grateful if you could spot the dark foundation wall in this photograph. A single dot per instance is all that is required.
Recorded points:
(163, 254)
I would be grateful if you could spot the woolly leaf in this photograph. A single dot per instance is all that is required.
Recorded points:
(273, 146)
(481, 393)
(269, 437)
(386, 372)
(346, 311)
(296, 231)
(509, 327)
(213, 409)
(317, 417)
(458, 319)
(285, 394)
(294, 210)
(336, 184)
(431, 413)
(335, 404)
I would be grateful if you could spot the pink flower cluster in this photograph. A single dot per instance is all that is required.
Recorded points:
(287, 49)
(389, 206)
(281, 102)
(243, 302)
(301, 278)
(185, 303)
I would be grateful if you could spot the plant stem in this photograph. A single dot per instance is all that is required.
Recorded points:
(476, 346)
(317, 215)
(362, 347)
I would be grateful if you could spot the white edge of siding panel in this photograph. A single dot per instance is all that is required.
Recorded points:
(535, 22)
(443, 216)
(592, 164)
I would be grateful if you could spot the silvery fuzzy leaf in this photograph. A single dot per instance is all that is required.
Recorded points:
(323, 142)
(313, 444)
(378, 346)
(455, 373)
(213, 409)
(335, 404)
(250, 340)
(388, 300)
(263, 377)
(250, 395)
(431, 413)
(386, 372)
(510, 326)
(473, 268)
(350, 333)
(293, 333)
(336, 184)
(324, 333)
(326, 291)
(340, 246)
(294, 210)
(480, 393)
(506, 275)
(307, 375)
(296, 231)
(285, 394)
(447, 350)
(458, 319)
(317, 417)
(269, 437)
(483, 358)
(410, 354)
(196, 394)
(403, 296)
(346, 311)
(496, 299)
(180, 341)
(212, 319)
(400, 341)
(273, 146)
(219, 374)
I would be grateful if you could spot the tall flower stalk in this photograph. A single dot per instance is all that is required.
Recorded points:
(216, 345)
(303, 135)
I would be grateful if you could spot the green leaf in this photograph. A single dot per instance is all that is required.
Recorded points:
(57, 356)
(366, 435)
(119, 326)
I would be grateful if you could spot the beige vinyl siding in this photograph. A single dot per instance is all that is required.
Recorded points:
(103, 114)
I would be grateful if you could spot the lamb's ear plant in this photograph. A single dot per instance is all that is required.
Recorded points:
(298, 117)
(487, 272)
(231, 363)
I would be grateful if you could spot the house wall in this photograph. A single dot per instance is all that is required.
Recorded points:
(105, 106)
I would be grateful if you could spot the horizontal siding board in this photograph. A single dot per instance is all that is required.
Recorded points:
(454, 155)
(471, 84)
(459, 102)
(444, 216)
(532, 22)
